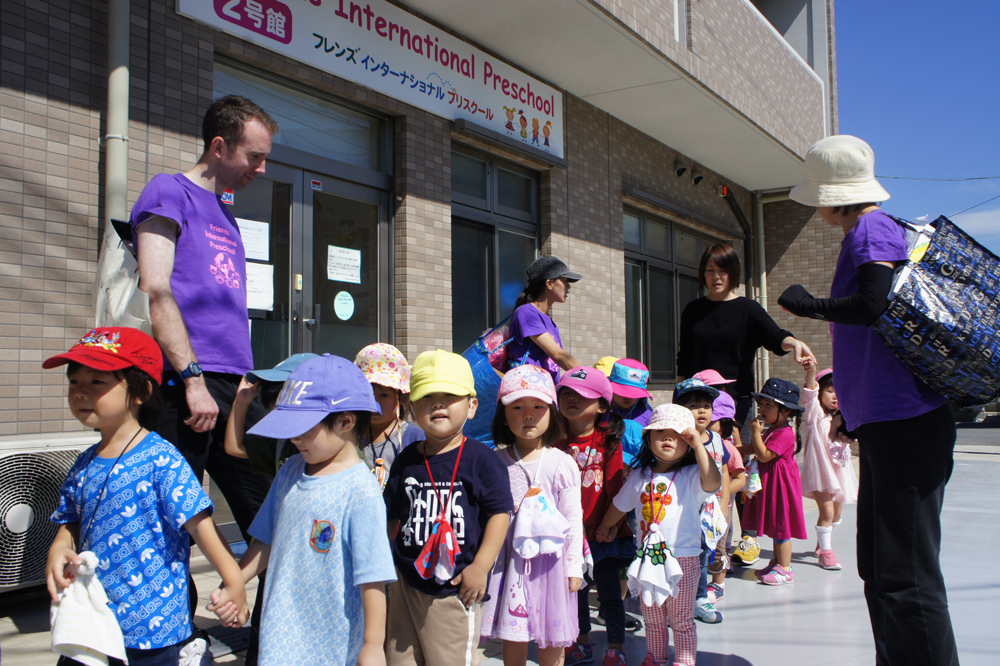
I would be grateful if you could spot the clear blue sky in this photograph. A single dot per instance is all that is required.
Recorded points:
(919, 80)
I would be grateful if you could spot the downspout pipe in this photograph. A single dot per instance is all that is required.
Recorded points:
(761, 198)
(113, 272)
(116, 140)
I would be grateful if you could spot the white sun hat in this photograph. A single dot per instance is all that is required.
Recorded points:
(840, 171)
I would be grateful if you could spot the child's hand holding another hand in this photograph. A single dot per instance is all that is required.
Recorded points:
(229, 606)
(606, 534)
(575, 584)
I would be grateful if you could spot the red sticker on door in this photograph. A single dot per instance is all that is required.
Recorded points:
(317, 185)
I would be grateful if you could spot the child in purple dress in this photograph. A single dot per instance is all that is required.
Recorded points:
(540, 567)
(776, 510)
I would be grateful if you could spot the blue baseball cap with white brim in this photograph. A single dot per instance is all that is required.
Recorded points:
(319, 386)
(280, 372)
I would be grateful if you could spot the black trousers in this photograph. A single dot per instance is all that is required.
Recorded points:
(205, 451)
(905, 466)
(609, 593)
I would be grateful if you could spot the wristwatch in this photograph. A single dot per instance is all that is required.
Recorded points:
(193, 370)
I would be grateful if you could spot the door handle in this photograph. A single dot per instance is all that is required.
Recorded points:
(314, 324)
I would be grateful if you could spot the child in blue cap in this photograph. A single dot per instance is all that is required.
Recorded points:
(321, 531)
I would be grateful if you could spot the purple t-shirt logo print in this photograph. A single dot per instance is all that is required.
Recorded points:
(225, 271)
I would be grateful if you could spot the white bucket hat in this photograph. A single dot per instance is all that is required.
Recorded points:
(840, 171)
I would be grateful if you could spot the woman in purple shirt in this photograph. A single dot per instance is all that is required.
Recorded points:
(905, 430)
(535, 336)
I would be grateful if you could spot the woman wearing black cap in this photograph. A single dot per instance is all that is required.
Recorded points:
(535, 336)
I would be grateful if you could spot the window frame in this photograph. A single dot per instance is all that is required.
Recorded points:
(645, 258)
(490, 213)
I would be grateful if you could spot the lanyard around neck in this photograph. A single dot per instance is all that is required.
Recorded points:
(454, 473)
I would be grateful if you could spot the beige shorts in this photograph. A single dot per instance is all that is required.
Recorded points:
(431, 631)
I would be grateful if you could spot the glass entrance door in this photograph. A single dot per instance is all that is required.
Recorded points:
(317, 264)
(345, 275)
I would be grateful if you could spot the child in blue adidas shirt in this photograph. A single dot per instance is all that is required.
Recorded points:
(133, 501)
(321, 531)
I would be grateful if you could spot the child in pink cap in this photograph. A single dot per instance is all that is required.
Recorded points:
(533, 590)
(594, 439)
(733, 479)
(629, 379)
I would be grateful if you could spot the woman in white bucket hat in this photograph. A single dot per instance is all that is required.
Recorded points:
(905, 430)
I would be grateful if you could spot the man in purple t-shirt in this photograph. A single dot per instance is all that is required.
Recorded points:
(193, 267)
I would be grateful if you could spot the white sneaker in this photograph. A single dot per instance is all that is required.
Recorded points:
(706, 612)
(195, 653)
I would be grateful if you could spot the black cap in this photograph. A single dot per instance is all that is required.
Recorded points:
(783, 392)
(550, 268)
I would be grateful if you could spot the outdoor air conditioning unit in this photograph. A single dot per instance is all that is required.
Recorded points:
(29, 493)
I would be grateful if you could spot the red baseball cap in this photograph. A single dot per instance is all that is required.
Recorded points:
(114, 348)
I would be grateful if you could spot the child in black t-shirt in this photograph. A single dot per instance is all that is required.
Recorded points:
(448, 501)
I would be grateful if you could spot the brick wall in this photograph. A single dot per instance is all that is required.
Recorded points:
(52, 87)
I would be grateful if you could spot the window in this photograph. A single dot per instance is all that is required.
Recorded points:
(661, 277)
(494, 238)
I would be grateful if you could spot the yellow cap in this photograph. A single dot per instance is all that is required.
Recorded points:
(441, 372)
(605, 364)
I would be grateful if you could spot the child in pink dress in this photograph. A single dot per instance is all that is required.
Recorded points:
(533, 591)
(827, 474)
(776, 510)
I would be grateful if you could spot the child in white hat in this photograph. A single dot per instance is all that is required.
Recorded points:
(674, 476)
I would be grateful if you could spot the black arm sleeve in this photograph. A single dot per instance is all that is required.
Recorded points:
(860, 308)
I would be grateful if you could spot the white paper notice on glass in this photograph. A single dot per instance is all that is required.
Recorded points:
(256, 238)
(343, 264)
(260, 286)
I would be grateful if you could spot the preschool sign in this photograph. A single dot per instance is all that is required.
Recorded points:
(378, 45)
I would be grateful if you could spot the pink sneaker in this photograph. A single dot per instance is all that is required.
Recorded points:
(760, 573)
(828, 560)
(778, 576)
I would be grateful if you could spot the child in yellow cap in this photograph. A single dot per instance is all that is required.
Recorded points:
(448, 501)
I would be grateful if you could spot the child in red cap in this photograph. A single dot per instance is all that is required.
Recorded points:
(132, 500)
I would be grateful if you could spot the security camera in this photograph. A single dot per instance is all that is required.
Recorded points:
(679, 168)
(697, 177)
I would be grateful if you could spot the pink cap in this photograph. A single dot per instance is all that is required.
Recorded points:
(712, 378)
(589, 382)
(823, 373)
(527, 381)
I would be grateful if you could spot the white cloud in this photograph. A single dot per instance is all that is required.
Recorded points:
(983, 225)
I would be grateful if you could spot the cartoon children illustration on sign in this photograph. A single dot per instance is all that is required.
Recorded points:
(510, 119)
(547, 130)
(534, 130)
(524, 125)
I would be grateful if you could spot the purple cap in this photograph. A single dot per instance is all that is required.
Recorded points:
(724, 407)
(629, 379)
(588, 382)
(318, 387)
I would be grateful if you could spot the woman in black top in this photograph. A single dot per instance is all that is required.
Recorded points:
(722, 331)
